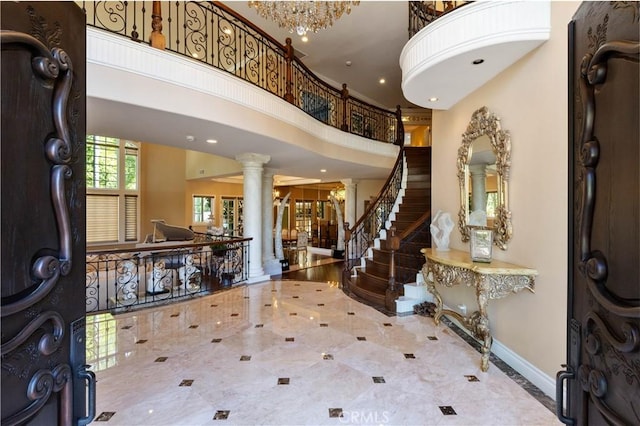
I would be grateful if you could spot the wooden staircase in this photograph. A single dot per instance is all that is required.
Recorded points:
(410, 222)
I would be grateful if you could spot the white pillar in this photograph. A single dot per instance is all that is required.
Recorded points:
(270, 264)
(350, 200)
(478, 191)
(252, 211)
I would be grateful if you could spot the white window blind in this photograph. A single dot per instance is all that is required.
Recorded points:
(102, 218)
(131, 218)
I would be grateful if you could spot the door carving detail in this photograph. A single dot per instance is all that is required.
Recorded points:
(603, 371)
(40, 289)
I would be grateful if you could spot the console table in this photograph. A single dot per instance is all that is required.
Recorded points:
(493, 280)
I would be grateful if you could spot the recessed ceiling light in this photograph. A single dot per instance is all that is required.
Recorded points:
(212, 141)
(323, 170)
(382, 81)
(190, 138)
(304, 39)
(477, 61)
(348, 63)
(433, 99)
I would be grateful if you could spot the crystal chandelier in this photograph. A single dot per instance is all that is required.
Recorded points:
(303, 16)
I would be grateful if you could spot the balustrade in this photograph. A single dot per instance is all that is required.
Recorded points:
(118, 280)
(212, 33)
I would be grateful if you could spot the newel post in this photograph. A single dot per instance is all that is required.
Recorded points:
(399, 127)
(288, 56)
(393, 244)
(156, 39)
(344, 95)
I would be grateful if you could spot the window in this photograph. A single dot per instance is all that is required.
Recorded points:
(112, 190)
(232, 216)
(203, 208)
(303, 216)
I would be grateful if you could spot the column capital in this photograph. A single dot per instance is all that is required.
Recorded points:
(253, 159)
(349, 181)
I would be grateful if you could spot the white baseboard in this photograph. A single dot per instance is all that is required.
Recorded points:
(532, 373)
(529, 371)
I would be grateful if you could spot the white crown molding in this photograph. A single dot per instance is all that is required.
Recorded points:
(437, 61)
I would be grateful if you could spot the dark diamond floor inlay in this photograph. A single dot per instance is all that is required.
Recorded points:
(161, 359)
(245, 358)
(214, 306)
(259, 325)
(409, 356)
(126, 327)
(327, 356)
(447, 410)
(320, 304)
(335, 412)
(193, 326)
(318, 289)
(175, 315)
(105, 416)
(351, 313)
(432, 338)
(324, 324)
(283, 381)
(296, 297)
(472, 378)
(186, 382)
(216, 340)
(139, 342)
(267, 304)
(289, 339)
(234, 315)
(362, 338)
(378, 379)
(293, 314)
(221, 415)
(387, 324)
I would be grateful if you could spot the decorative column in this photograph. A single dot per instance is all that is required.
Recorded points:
(271, 265)
(251, 212)
(350, 200)
(478, 190)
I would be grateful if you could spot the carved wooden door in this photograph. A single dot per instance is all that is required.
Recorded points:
(602, 377)
(44, 380)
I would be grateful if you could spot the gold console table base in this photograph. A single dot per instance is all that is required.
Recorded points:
(493, 280)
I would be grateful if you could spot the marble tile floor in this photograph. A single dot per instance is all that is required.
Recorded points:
(288, 352)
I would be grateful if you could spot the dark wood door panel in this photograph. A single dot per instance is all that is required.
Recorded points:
(603, 373)
(43, 214)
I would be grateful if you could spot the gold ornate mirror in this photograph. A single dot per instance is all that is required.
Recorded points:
(484, 162)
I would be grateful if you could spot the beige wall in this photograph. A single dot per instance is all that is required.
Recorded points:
(530, 97)
(162, 183)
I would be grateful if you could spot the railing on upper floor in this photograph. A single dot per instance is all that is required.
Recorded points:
(422, 13)
(361, 236)
(212, 33)
(125, 279)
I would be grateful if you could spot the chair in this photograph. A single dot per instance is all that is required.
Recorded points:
(302, 241)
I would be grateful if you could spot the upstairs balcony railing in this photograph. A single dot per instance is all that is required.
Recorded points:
(212, 33)
(422, 13)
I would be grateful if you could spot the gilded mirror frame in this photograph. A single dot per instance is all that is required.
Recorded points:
(486, 123)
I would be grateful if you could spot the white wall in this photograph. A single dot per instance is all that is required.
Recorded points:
(530, 97)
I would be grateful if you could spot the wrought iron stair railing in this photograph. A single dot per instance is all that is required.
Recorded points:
(212, 33)
(361, 236)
